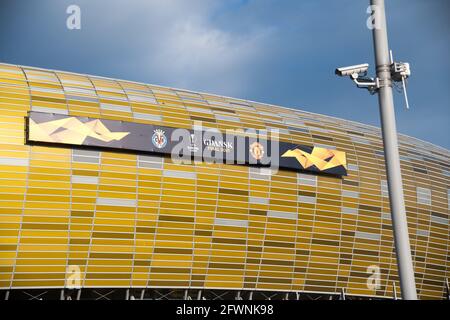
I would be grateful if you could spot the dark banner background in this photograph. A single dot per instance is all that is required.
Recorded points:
(140, 139)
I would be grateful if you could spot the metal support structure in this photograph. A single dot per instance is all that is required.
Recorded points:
(61, 296)
(448, 289)
(395, 290)
(35, 296)
(174, 294)
(389, 131)
(127, 294)
(103, 296)
(342, 297)
(79, 294)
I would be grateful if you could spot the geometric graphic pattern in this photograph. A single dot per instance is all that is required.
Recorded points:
(72, 131)
(321, 158)
(48, 127)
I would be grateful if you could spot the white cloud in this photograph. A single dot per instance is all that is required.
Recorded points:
(196, 54)
(180, 44)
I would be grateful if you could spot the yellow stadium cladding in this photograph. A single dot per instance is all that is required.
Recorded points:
(133, 220)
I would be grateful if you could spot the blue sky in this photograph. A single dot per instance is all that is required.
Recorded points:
(282, 52)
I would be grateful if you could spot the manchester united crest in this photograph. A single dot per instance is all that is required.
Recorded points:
(256, 150)
(159, 139)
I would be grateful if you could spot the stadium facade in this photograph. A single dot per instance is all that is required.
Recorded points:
(91, 206)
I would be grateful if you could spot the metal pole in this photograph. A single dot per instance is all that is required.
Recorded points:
(389, 131)
(342, 294)
(79, 294)
(447, 284)
(395, 290)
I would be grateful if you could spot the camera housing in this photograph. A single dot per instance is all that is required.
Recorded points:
(352, 71)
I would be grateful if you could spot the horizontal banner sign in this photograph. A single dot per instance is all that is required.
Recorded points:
(249, 147)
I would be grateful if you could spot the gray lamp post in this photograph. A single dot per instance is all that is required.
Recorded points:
(387, 73)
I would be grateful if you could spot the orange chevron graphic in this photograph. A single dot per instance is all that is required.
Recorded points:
(73, 131)
(322, 158)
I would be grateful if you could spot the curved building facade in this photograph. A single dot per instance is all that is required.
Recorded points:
(97, 218)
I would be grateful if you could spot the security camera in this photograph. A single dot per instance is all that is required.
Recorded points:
(352, 71)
